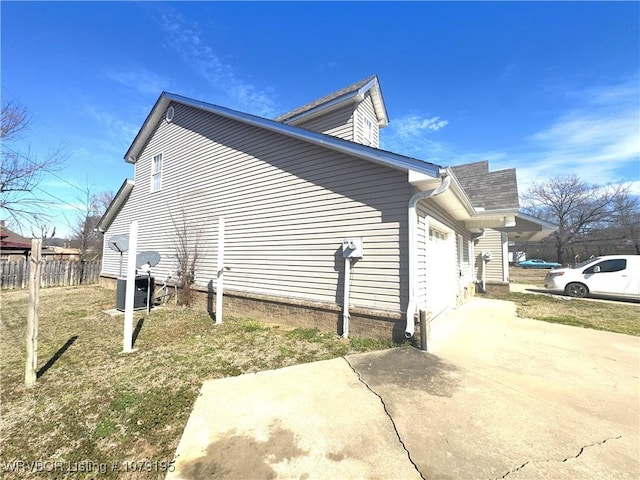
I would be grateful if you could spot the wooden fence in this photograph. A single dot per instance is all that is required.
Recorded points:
(56, 273)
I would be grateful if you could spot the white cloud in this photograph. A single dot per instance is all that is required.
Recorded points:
(598, 139)
(187, 40)
(410, 135)
(142, 81)
(413, 125)
(113, 125)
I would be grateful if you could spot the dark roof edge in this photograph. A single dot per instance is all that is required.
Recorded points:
(543, 223)
(116, 204)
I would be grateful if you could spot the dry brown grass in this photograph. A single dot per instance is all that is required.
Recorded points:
(612, 316)
(93, 405)
(528, 276)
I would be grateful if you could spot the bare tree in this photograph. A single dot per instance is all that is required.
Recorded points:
(43, 232)
(21, 172)
(84, 236)
(187, 253)
(577, 207)
(626, 220)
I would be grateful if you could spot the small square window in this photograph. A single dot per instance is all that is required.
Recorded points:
(156, 173)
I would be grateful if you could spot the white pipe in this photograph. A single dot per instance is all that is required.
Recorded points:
(345, 298)
(131, 288)
(413, 240)
(219, 281)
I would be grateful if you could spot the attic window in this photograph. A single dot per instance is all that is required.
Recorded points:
(367, 131)
(156, 173)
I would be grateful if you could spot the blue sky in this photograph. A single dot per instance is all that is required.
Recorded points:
(549, 88)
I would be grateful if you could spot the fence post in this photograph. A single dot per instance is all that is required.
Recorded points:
(32, 313)
(23, 270)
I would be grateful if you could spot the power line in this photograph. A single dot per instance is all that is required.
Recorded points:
(64, 202)
(49, 172)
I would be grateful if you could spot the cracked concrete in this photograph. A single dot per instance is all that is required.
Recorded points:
(496, 397)
(315, 420)
(547, 460)
(386, 411)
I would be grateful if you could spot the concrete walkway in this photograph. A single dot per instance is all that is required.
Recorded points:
(496, 397)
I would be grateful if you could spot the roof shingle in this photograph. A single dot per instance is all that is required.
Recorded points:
(326, 99)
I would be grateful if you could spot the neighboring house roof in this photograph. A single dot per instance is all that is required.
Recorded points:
(60, 251)
(352, 93)
(12, 241)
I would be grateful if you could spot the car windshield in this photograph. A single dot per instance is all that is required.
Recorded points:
(586, 262)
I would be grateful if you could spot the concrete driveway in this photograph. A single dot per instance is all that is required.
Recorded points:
(496, 397)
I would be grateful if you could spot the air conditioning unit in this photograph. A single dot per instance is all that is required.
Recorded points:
(143, 283)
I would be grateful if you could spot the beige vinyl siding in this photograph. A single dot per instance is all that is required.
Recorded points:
(491, 241)
(338, 123)
(365, 109)
(428, 208)
(287, 207)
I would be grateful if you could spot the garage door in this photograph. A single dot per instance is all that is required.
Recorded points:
(441, 269)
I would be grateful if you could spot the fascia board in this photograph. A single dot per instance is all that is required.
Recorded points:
(147, 128)
(546, 225)
(378, 101)
(334, 104)
(115, 205)
(459, 191)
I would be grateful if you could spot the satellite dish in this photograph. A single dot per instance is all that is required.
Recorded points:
(119, 243)
(149, 257)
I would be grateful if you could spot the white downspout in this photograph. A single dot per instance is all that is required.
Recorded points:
(413, 240)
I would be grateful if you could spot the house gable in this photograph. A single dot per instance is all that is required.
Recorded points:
(355, 113)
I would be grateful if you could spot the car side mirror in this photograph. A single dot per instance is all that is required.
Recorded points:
(596, 269)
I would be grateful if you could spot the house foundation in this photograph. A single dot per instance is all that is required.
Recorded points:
(296, 313)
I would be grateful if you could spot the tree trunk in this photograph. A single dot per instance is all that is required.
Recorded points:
(559, 256)
(31, 366)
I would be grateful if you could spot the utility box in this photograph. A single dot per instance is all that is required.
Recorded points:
(352, 247)
(143, 283)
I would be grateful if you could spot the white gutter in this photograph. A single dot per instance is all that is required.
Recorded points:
(413, 240)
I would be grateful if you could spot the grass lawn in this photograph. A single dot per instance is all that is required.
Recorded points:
(93, 406)
(612, 316)
(529, 276)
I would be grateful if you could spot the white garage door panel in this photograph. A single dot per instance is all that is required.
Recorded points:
(441, 268)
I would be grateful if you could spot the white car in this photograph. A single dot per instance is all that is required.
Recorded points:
(610, 275)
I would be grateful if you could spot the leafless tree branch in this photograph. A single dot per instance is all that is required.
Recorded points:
(22, 172)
